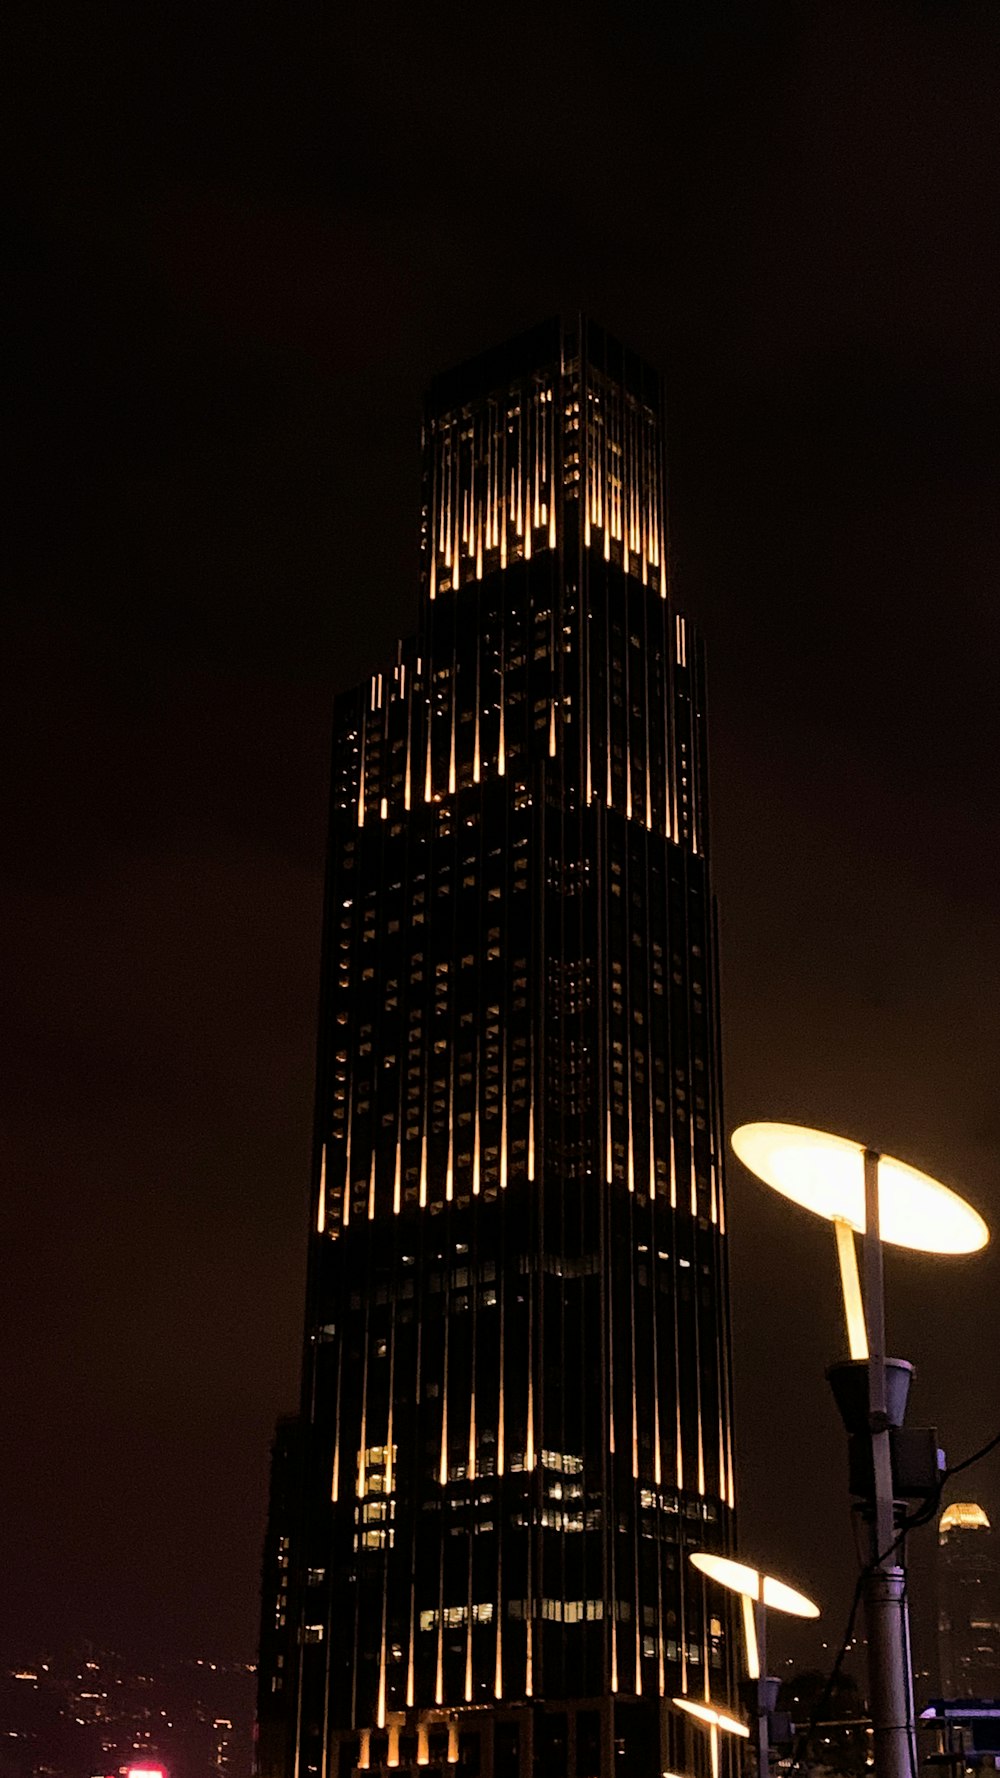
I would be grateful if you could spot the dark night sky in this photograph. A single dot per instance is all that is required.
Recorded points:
(246, 236)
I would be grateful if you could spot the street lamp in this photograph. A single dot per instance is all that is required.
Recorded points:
(862, 1191)
(757, 1592)
(717, 1721)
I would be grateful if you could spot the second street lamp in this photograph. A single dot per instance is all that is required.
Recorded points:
(757, 1593)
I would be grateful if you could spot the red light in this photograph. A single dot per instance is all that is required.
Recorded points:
(146, 1772)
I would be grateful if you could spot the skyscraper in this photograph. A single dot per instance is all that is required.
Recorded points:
(969, 1590)
(516, 1395)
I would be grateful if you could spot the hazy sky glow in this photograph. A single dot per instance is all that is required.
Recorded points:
(248, 241)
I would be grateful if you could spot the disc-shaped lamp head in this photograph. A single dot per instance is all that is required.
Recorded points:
(713, 1718)
(826, 1174)
(739, 1578)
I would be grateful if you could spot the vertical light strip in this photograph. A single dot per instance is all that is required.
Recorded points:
(531, 1108)
(693, 1173)
(475, 747)
(518, 518)
(361, 773)
(682, 1577)
(371, 1188)
(607, 706)
(633, 1391)
(660, 1652)
(335, 1477)
(539, 423)
(389, 1478)
(428, 782)
(449, 1181)
(529, 1455)
(380, 1709)
(503, 1111)
(498, 1666)
(750, 1634)
(646, 730)
(362, 1482)
(423, 1164)
(347, 1154)
(627, 713)
(611, 1373)
(443, 1465)
(500, 1409)
(321, 1201)
(657, 1469)
(475, 1144)
(410, 1657)
(468, 1625)
(590, 777)
(456, 565)
(409, 746)
(454, 718)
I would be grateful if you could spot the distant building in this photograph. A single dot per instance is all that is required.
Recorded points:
(516, 1400)
(969, 1611)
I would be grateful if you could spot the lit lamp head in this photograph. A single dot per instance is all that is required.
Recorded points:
(826, 1174)
(754, 1588)
(714, 1718)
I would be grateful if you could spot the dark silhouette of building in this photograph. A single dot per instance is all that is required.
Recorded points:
(516, 1396)
(969, 1594)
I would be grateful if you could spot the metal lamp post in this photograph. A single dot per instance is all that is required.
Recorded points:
(862, 1191)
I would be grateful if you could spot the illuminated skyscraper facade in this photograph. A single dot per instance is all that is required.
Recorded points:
(969, 1603)
(516, 1401)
